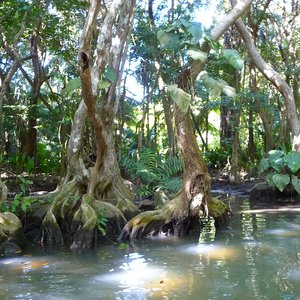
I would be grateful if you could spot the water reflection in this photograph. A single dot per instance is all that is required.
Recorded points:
(256, 257)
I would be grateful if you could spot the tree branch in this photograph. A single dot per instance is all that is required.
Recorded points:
(217, 32)
(275, 78)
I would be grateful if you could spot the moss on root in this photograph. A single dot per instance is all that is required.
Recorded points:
(63, 203)
(172, 218)
(144, 224)
(84, 226)
(219, 210)
(217, 207)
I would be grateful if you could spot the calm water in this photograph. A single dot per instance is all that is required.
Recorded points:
(257, 257)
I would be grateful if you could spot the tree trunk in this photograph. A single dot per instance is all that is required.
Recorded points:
(96, 188)
(166, 101)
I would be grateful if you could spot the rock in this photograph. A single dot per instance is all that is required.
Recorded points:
(8, 249)
(263, 192)
(146, 204)
(11, 229)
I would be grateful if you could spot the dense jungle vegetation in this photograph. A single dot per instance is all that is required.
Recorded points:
(105, 103)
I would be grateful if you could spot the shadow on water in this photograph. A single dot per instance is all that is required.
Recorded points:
(256, 257)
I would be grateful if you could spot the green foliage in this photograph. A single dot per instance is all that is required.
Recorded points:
(123, 246)
(283, 169)
(216, 158)
(151, 172)
(197, 54)
(49, 158)
(167, 39)
(101, 222)
(233, 58)
(20, 200)
(22, 163)
(72, 85)
(180, 97)
(216, 86)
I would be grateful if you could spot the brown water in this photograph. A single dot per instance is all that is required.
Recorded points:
(256, 257)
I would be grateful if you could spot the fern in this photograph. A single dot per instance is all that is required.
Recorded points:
(152, 172)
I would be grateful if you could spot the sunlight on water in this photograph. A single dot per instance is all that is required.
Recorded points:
(256, 257)
(212, 251)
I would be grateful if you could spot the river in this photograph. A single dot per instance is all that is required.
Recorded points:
(256, 257)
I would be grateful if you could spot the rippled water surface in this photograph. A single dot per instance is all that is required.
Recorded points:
(257, 257)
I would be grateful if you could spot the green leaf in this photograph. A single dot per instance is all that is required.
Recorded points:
(168, 40)
(263, 165)
(103, 84)
(296, 183)
(292, 160)
(181, 98)
(123, 246)
(110, 74)
(213, 86)
(281, 181)
(269, 179)
(274, 155)
(197, 54)
(278, 164)
(233, 58)
(72, 85)
(194, 28)
(226, 88)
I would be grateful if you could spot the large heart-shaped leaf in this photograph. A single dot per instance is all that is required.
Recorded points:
(263, 165)
(293, 161)
(195, 29)
(197, 54)
(296, 183)
(110, 74)
(72, 85)
(281, 181)
(269, 179)
(212, 85)
(233, 57)
(168, 40)
(181, 98)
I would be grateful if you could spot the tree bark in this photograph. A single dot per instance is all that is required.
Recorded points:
(92, 183)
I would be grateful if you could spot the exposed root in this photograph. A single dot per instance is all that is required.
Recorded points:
(119, 195)
(62, 204)
(84, 226)
(144, 224)
(73, 219)
(115, 219)
(173, 218)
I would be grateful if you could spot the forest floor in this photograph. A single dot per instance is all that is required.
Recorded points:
(44, 183)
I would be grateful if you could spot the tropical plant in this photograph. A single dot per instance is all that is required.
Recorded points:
(152, 172)
(20, 200)
(283, 169)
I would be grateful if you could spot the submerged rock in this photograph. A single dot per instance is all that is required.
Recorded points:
(8, 249)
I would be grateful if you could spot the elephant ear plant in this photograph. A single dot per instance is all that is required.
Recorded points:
(283, 169)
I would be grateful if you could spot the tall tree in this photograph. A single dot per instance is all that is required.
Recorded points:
(275, 78)
(101, 56)
(177, 215)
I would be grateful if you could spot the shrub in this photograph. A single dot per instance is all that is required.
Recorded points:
(283, 169)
